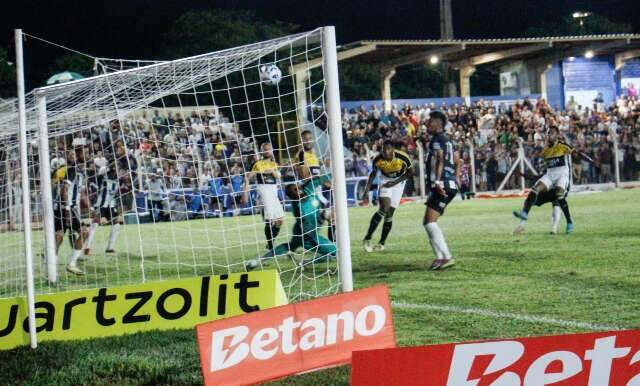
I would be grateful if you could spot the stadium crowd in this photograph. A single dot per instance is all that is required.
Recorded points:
(196, 164)
(495, 128)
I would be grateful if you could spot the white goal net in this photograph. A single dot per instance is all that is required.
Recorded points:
(219, 163)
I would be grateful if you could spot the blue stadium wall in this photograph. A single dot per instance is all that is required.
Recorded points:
(579, 76)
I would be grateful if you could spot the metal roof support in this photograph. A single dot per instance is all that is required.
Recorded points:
(342, 55)
(465, 83)
(422, 56)
(501, 55)
(624, 56)
(386, 88)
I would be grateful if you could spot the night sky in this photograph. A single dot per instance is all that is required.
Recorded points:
(131, 28)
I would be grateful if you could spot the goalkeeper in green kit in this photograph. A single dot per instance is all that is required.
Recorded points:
(309, 214)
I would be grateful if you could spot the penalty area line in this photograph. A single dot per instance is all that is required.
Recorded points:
(506, 315)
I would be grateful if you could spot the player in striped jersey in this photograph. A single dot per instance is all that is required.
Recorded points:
(395, 168)
(267, 179)
(68, 186)
(557, 155)
(106, 208)
(442, 177)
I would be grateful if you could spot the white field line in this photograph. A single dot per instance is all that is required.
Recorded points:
(506, 315)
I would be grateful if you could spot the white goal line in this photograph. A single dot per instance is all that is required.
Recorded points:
(507, 315)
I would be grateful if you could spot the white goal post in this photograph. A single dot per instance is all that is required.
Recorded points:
(194, 126)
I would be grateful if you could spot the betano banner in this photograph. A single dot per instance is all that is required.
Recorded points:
(162, 305)
(295, 338)
(595, 359)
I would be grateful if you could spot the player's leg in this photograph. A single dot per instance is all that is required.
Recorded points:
(75, 237)
(116, 222)
(324, 248)
(561, 196)
(294, 243)
(384, 205)
(93, 228)
(59, 228)
(436, 205)
(271, 231)
(396, 196)
(540, 187)
(272, 213)
(555, 217)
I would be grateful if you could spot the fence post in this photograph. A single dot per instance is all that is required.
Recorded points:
(472, 162)
(616, 157)
(423, 190)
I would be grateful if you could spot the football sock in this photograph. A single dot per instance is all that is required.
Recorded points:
(92, 232)
(437, 240)
(555, 218)
(531, 199)
(565, 209)
(74, 256)
(435, 250)
(112, 235)
(386, 228)
(331, 233)
(375, 220)
(271, 231)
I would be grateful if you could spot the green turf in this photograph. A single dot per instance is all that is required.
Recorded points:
(589, 276)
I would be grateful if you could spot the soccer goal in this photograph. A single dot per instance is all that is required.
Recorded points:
(159, 171)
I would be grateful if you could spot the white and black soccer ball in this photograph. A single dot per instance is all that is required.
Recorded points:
(270, 74)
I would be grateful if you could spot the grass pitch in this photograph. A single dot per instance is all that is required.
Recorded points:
(503, 286)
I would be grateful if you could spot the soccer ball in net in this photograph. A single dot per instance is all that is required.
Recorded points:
(270, 74)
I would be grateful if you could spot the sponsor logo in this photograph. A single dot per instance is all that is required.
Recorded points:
(567, 360)
(127, 309)
(295, 338)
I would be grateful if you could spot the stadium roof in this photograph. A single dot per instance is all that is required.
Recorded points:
(461, 53)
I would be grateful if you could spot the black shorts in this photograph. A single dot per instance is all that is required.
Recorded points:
(548, 196)
(438, 202)
(59, 223)
(108, 213)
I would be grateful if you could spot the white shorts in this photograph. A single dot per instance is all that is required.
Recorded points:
(556, 178)
(271, 206)
(394, 193)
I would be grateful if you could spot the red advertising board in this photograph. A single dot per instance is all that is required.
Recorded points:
(295, 338)
(595, 359)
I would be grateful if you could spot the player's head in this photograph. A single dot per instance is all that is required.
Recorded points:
(112, 173)
(292, 191)
(388, 150)
(307, 140)
(553, 133)
(267, 150)
(437, 120)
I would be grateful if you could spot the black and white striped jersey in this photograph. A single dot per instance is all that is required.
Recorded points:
(108, 193)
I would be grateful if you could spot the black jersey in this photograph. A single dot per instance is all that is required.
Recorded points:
(438, 142)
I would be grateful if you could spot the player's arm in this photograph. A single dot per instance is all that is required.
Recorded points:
(458, 162)
(579, 154)
(406, 173)
(302, 171)
(372, 176)
(245, 190)
(439, 155)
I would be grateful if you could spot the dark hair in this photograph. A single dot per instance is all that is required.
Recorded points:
(289, 190)
(388, 143)
(438, 115)
(554, 128)
(306, 132)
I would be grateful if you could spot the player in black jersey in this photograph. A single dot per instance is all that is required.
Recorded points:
(66, 207)
(395, 168)
(442, 175)
(106, 208)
